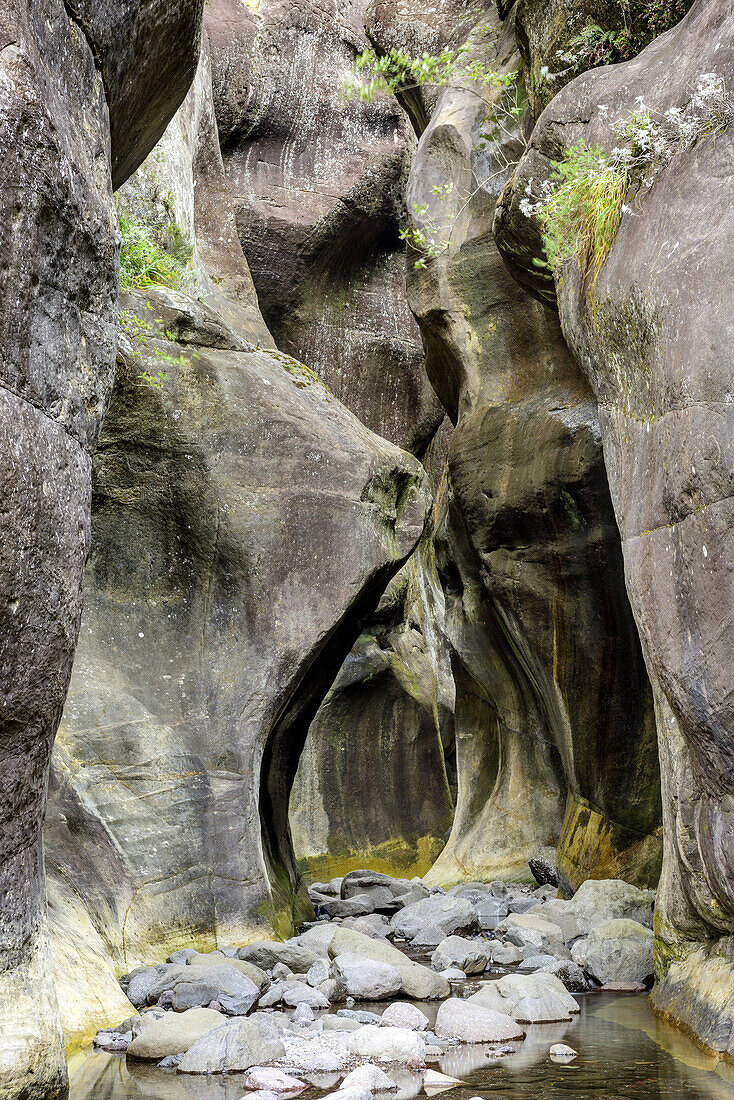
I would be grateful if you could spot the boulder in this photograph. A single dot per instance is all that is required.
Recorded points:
(172, 1033)
(361, 882)
(368, 1077)
(320, 1053)
(560, 913)
(544, 867)
(570, 973)
(387, 1044)
(318, 973)
(233, 991)
(472, 1022)
(268, 953)
(505, 954)
(316, 939)
(599, 900)
(403, 1014)
(441, 913)
(490, 911)
(358, 906)
(273, 1080)
(528, 998)
(418, 981)
(434, 1082)
(367, 979)
(619, 951)
(468, 955)
(233, 1048)
(298, 993)
(529, 931)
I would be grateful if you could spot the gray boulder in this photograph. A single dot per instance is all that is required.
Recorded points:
(235, 1047)
(543, 867)
(505, 954)
(529, 931)
(235, 992)
(403, 1014)
(468, 955)
(387, 1044)
(367, 979)
(440, 913)
(268, 953)
(418, 981)
(570, 973)
(172, 1032)
(298, 993)
(472, 1022)
(528, 998)
(599, 900)
(619, 951)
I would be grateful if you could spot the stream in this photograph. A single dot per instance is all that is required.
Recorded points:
(624, 1053)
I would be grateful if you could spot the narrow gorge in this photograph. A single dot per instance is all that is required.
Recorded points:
(366, 572)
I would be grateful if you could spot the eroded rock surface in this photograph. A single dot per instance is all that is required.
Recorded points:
(553, 704)
(653, 336)
(318, 185)
(58, 300)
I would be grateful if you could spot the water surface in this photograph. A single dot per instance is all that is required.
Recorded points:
(624, 1053)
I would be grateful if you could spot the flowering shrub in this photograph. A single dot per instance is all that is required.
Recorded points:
(581, 205)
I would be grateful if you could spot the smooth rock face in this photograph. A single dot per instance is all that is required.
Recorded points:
(541, 633)
(172, 1032)
(58, 254)
(319, 193)
(475, 1023)
(252, 442)
(655, 343)
(619, 951)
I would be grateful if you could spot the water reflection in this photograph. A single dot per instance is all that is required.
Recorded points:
(624, 1053)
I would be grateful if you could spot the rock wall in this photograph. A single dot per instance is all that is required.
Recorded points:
(318, 184)
(217, 610)
(554, 719)
(372, 786)
(58, 302)
(653, 336)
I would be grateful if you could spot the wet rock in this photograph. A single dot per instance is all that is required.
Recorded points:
(432, 915)
(235, 1047)
(528, 998)
(387, 1044)
(467, 955)
(562, 1052)
(172, 1032)
(453, 974)
(403, 1014)
(434, 1082)
(473, 1022)
(367, 979)
(619, 951)
(418, 981)
(490, 911)
(598, 901)
(543, 867)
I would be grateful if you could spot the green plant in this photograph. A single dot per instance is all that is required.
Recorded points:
(151, 257)
(581, 206)
(144, 336)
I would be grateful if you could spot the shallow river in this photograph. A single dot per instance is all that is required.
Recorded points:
(624, 1053)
